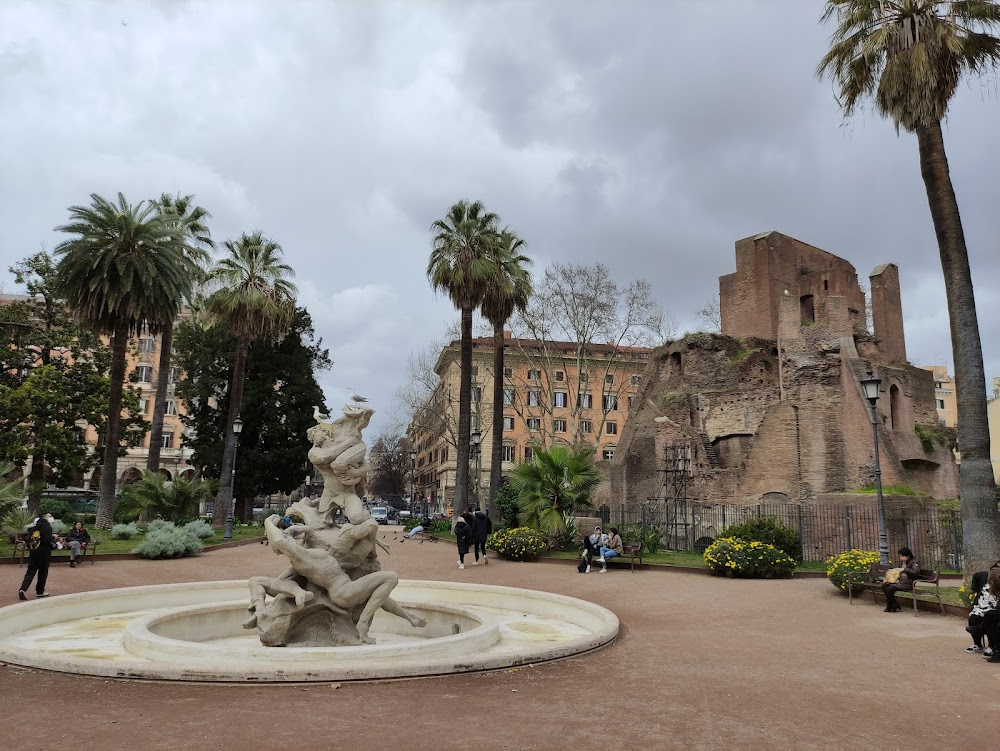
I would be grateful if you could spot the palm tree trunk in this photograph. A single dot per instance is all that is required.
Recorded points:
(977, 491)
(496, 452)
(224, 500)
(160, 400)
(36, 479)
(112, 433)
(464, 414)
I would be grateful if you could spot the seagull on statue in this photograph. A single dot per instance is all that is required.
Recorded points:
(359, 400)
(318, 415)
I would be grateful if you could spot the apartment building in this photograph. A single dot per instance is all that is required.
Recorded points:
(143, 359)
(554, 392)
(944, 395)
(993, 415)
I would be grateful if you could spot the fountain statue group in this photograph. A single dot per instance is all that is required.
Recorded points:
(335, 585)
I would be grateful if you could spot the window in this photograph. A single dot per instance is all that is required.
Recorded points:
(609, 378)
(611, 428)
(534, 375)
(534, 398)
(534, 423)
(559, 426)
(145, 373)
(171, 408)
(134, 439)
(528, 453)
(475, 370)
(560, 375)
(634, 380)
(509, 452)
(78, 435)
(144, 407)
(586, 426)
(473, 422)
(508, 372)
(937, 384)
(508, 423)
(610, 402)
(508, 397)
(583, 376)
(146, 346)
(940, 403)
(586, 401)
(477, 394)
(174, 375)
(167, 441)
(444, 454)
(561, 399)
(608, 454)
(631, 400)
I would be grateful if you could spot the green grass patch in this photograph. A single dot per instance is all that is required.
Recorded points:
(949, 596)
(107, 545)
(898, 489)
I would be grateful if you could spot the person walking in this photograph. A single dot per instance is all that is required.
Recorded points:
(77, 540)
(482, 527)
(464, 538)
(39, 556)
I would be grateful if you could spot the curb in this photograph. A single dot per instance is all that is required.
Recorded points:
(666, 567)
(12, 560)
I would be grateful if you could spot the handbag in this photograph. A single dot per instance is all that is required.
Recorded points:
(892, 575)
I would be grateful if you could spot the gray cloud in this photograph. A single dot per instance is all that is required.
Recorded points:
(648, 135)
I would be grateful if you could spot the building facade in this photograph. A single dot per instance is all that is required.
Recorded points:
(944, 395)
(993, 413)
(554, 392)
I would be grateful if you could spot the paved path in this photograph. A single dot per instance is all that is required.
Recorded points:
(702, 663)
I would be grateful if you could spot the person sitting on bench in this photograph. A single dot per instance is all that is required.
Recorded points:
(76, 540)
(591, 547)
(612, 548)
(986, 592)
(424, 524)
(910, 572)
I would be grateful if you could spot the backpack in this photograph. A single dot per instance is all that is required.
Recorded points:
(35, 540)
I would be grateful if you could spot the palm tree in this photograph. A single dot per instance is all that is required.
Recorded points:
(509, 292)
(125, 268)
(190, 223)
(908, 56)
(460, 265)
(552, 485)
(256, 299)
(155, 496)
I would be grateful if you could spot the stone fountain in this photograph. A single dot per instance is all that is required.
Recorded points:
(333, 615)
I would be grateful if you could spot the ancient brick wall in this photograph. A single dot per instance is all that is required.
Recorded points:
(887, 313)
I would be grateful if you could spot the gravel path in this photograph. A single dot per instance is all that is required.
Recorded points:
(702, 663)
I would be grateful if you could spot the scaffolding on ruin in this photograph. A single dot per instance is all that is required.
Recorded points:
(678, 469)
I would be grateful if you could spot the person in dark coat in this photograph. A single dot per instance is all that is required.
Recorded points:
(77, 540)
(39, 556)
(482, 526)
(909, 574)
(464, 538)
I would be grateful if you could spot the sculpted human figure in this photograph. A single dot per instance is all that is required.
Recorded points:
(338, 453)
(322, 569)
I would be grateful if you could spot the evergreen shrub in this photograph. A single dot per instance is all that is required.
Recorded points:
(167, 541)
(124, 531)
(768, 530)
(748, 559)
(839, 566)
(518, 544)
(201, 529)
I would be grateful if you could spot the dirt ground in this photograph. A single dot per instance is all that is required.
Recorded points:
(701, 663)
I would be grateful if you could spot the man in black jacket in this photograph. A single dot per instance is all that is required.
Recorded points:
(39, 556)
(482, 526)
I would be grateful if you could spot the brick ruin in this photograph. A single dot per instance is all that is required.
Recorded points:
(771, 409)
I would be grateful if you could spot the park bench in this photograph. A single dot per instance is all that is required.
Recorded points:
(21, 550)
(631, 552)
(422, 536)
(874, 577)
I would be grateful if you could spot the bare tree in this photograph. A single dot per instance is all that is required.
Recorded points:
(711, 315)
(581, 319)
(390, 462)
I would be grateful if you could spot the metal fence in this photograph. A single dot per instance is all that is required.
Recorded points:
(934, 535)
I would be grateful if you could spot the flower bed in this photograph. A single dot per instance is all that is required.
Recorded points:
(740, 559)
(517, 544)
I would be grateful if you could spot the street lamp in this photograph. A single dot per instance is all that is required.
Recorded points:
(237, 429)
(870, 384)
(476, 454)
(413, 477)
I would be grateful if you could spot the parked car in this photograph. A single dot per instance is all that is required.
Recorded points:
(380, 514)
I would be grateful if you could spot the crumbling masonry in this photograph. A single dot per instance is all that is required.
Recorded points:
(772, 408)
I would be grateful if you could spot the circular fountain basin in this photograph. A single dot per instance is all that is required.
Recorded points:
(194, 632)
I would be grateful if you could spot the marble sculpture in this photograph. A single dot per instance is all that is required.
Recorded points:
(335, 584)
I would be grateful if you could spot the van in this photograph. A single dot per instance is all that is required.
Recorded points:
(380, 514)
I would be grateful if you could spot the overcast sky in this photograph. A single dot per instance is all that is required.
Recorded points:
(648, 134)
